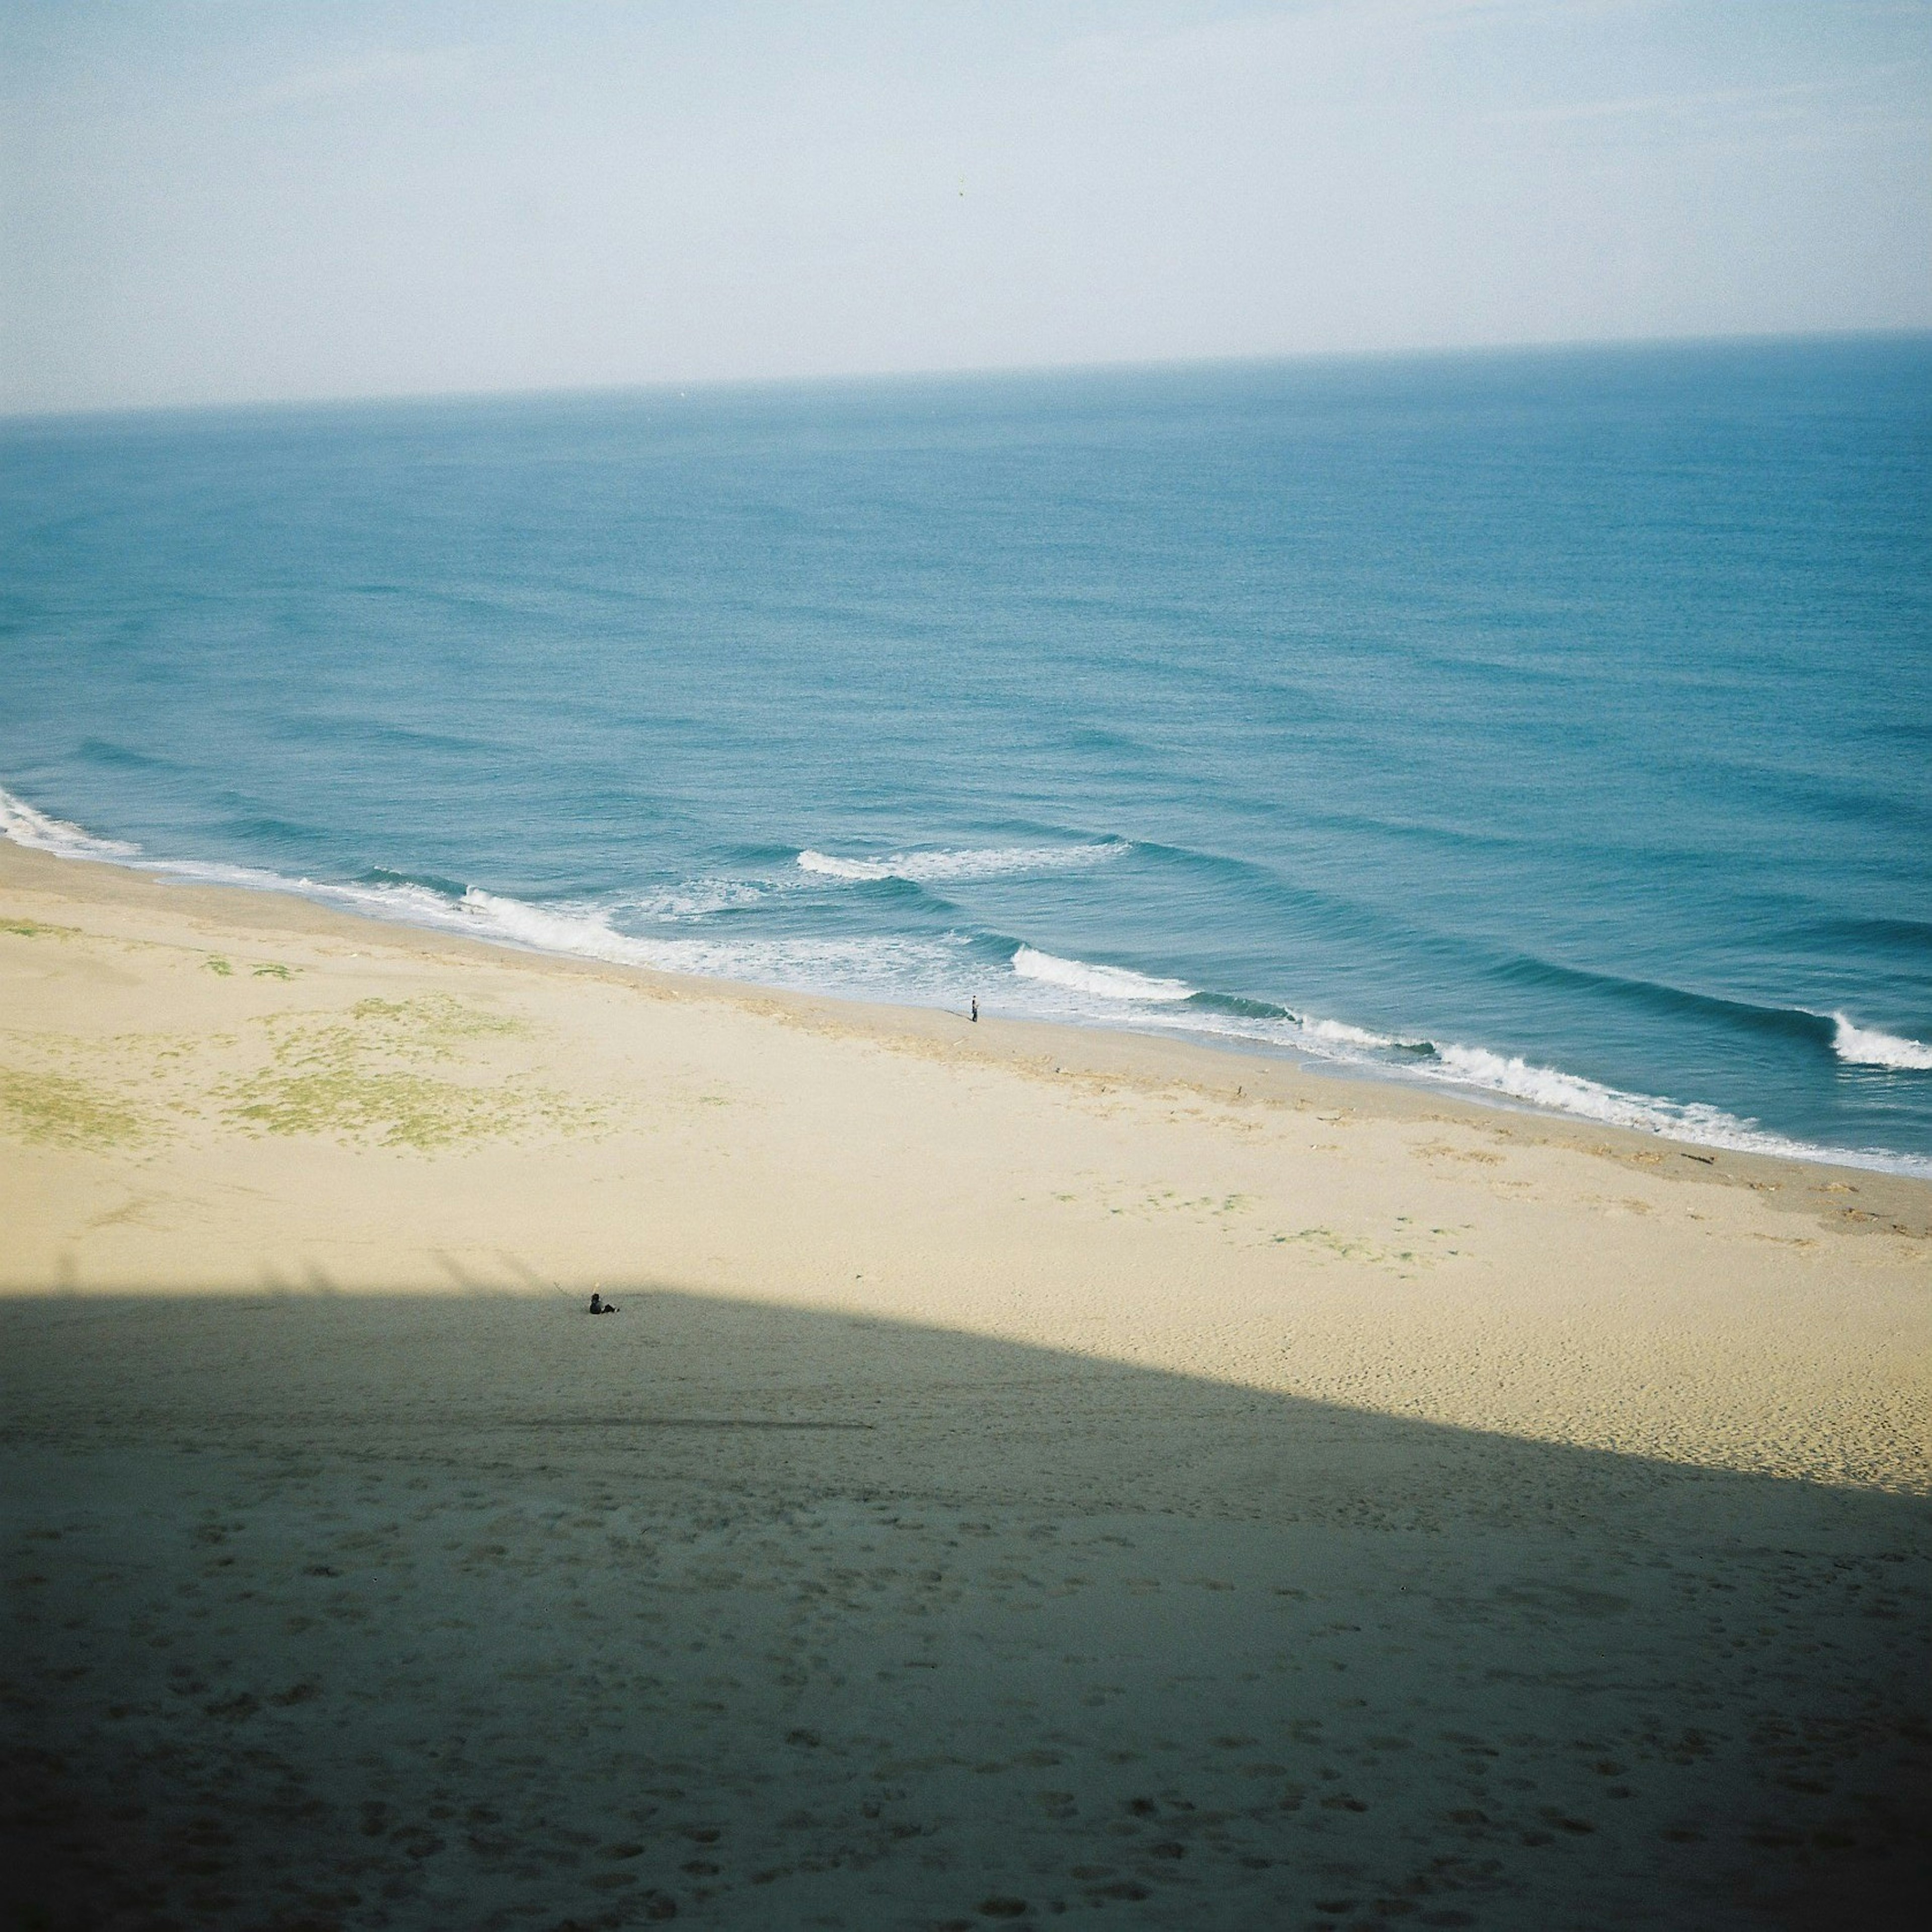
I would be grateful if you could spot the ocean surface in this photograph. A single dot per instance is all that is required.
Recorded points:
(1554, 727)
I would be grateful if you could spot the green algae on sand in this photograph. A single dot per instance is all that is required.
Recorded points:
(55, 1110)
(360, 1076)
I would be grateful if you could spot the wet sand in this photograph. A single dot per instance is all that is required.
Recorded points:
(1034, 1474)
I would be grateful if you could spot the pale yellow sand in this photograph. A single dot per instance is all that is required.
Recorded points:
(1030, 1466)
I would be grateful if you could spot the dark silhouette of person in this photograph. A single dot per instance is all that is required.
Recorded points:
(976, 1009)
(599, 1306)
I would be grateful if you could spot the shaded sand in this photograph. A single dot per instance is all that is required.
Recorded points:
(1034, 1474)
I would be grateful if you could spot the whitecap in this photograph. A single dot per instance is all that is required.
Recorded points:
(882, 967)
(1103, 982)
(832, 868)
(990, 862)
(1866, 1046)
(1693, 1121)
(1520, 1079)
(930, 971)
(25, 826)
(1482, 1074)
(692, 901)
(585, 933)
(1339, 1032)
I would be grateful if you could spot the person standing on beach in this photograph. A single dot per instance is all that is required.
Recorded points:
(975, 1014)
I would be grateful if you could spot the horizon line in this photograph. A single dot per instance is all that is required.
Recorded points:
(682, 385)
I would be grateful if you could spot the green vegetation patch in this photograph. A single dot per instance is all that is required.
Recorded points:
(55, 1110)
(396, 1109)
(363, 1077)
(436, 1025)
(1352, 1249)
(32, 929)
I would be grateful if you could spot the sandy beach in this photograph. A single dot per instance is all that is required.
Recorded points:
(1033, 1472)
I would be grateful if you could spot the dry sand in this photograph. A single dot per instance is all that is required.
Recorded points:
(1034, 1473)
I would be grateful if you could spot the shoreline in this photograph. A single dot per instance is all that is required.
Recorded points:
(1054, 1037)
(1093, 1053)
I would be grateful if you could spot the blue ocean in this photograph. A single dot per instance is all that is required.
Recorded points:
(1554, 727)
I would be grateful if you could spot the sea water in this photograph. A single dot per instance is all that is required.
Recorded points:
(1555, 726)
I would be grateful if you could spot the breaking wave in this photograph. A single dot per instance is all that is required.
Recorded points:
(1102, 983)
(21, 823)
(1479, 1071)
(991, 862)
(937, 970)
(1866, 1046)
(877, 967)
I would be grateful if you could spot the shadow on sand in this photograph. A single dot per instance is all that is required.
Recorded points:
(329, 1611)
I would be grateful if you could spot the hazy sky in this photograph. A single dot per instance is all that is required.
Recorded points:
(204, 200)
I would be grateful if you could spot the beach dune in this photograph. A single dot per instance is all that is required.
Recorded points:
(1034, 1473)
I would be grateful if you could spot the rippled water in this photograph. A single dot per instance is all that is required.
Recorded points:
(1552, 725)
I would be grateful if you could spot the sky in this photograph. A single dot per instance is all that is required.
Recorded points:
(203, 201)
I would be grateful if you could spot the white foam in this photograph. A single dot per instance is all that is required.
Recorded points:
(1702, 1125)
(1102, 983)
(831, 868)
(587, 933)
(25, 826)
(695, 899)
(932, 971)
(1339, 1033)
(975, 863)
(877, 967)
(1520, 1079)
(881, 967)
(413, 905)
(1866, 1046)
(1477, 1071)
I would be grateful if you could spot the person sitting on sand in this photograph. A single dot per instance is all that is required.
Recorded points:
(599, 1306)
